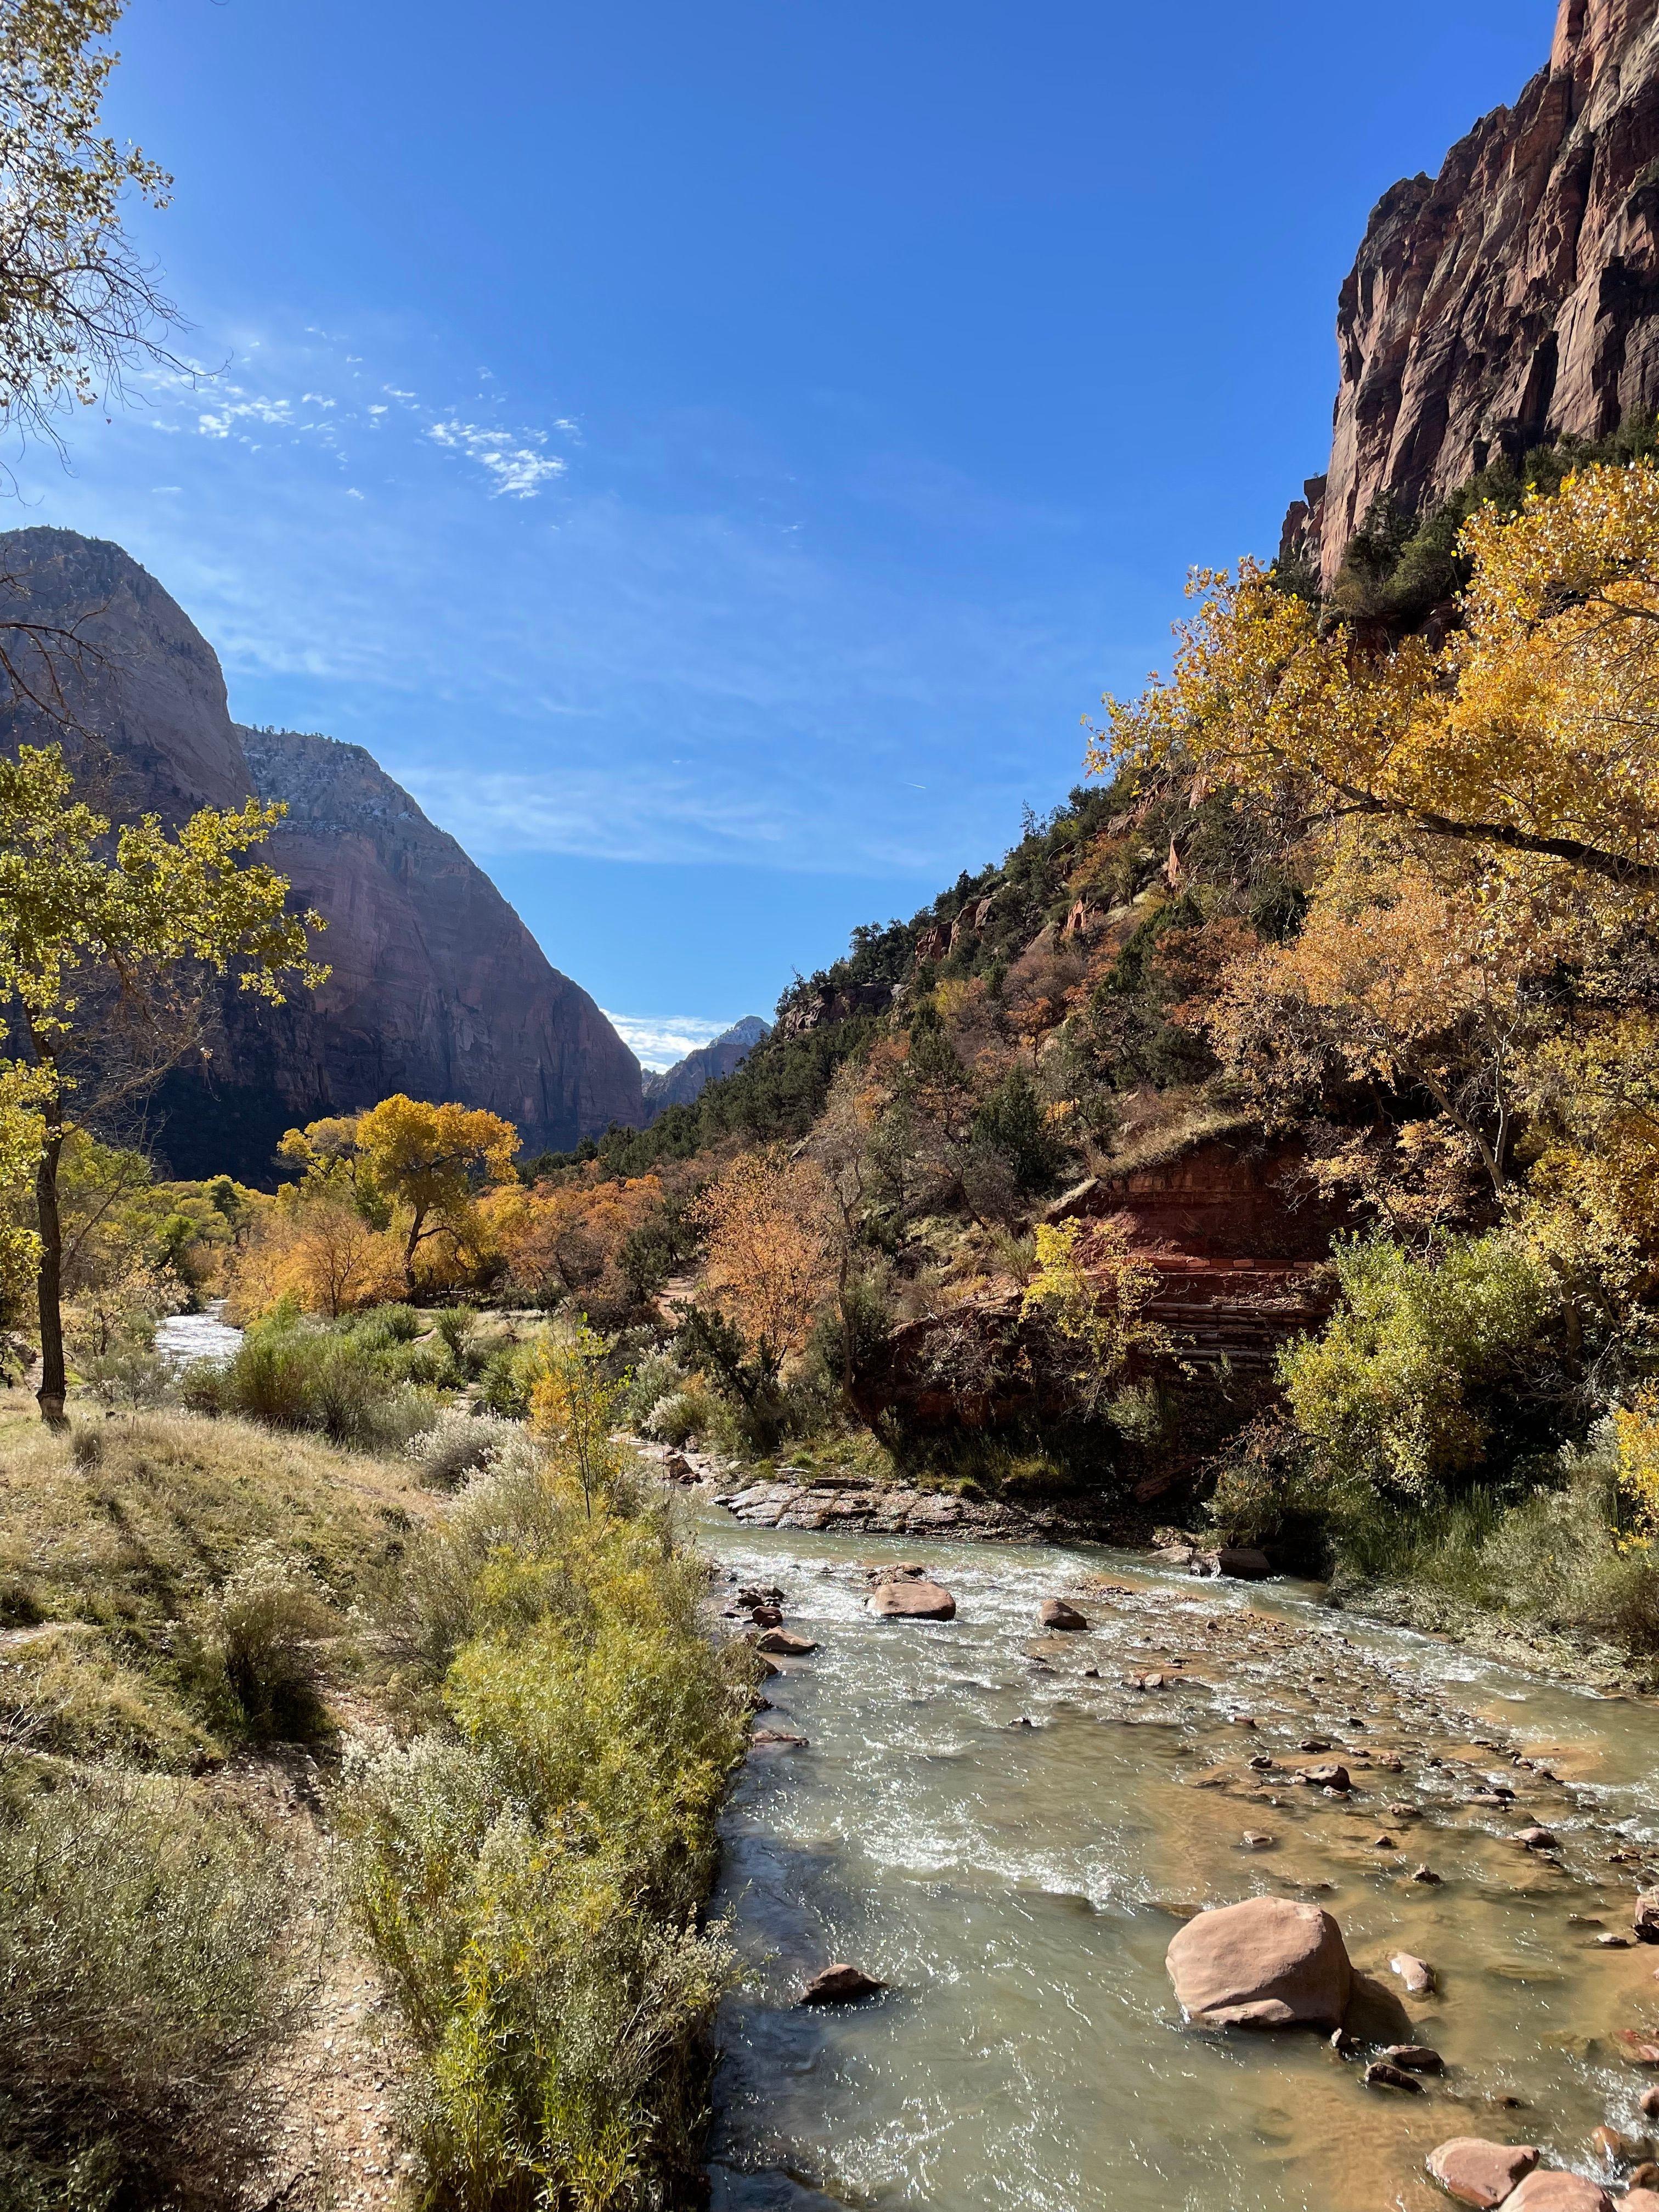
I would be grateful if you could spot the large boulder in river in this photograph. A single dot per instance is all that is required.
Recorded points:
(784, 1644)
(1476, 2171)
(841, 1984)
(1267, 1963)
(1054, 1613)
(1645, 1918)
(913, 1600)
(1558, 2192)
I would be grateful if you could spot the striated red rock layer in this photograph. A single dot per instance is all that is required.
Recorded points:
(1512, 298)
(437, 989)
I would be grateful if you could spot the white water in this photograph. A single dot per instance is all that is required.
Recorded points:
(182, 1339)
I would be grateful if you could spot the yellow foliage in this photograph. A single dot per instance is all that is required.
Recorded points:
(773, 1228)
(566, 1236)
(1098, 1308)
(1531, 731)
(1636, 1429)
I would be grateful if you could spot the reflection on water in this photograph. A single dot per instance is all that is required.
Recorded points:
(1017, 1887)
(182, 1338)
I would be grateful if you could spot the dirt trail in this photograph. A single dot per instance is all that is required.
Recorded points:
(325, 2114)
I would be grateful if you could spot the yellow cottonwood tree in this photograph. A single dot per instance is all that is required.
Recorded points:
(1532, 729)
(433, 1159)
(106, 938)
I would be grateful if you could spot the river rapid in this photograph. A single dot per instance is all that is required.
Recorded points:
(1011, 1840)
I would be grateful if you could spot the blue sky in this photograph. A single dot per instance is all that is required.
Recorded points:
(716, 457)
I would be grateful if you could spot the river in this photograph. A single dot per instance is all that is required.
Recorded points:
(1018, 1885)
(183, 1339)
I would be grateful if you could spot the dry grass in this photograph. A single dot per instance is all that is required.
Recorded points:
(121, 1538)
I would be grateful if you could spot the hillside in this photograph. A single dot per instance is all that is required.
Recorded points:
(438, 989)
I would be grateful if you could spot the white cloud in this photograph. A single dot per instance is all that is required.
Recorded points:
(519, 472)
(657, 1040)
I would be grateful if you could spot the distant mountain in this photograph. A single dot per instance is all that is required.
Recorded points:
(679, 1084)
(437, 988)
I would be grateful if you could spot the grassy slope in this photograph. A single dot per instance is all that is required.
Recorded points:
(113, 1545)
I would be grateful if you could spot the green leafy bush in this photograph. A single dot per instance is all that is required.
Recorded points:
(268, 1620)
(457, 1446)
(143, 1971)
(529, 1875)
(352, 1383)
(1395, 1393)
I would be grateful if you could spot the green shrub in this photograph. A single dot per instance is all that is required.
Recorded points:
(509, 1374)
(683, 1416)
(290, 1372)
(1394, 1392)
(656, 1376)
(142, 1972)
(530, 1877)
(1551, 1562)
(457, 1446)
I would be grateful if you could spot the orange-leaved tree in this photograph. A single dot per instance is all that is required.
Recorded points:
(772, 1225)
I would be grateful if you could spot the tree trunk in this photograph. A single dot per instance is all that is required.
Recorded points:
(409, 1253)
(54, 1382)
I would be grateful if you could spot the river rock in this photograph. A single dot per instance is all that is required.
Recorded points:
(1381, 2074)
(767, 1616)
(1415, 2057)
(1245, 1565)
(784, 1644)
(1054, 1613)
(1640, 2200)
(1418, 1977)
(1268, 1962)
(841, 1984)
(1558, 2192)
(1644, 1922)
(1328, 1775)
(1426, 1874)
(1535, 1840)
(1476, 2171)
(912, 1599)
(765, 1739)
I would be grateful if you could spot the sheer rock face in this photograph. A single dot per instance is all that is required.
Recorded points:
(1513, 297)
(437, 989)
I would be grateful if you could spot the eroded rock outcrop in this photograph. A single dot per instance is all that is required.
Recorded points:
(1513, 297)
(438, 989)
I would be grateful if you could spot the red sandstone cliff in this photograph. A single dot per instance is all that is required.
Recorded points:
(437, 989)
(1515, 296)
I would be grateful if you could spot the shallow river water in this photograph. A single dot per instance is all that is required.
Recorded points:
(1017, 1886)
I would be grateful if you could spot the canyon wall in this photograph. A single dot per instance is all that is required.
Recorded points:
(437, 989)
(1512, 299)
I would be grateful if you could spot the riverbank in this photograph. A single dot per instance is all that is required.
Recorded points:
(302, 1764)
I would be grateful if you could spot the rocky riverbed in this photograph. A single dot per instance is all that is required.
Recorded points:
(1007, 1822)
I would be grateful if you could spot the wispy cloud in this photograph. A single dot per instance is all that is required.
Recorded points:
(518, 470)
(625, 644)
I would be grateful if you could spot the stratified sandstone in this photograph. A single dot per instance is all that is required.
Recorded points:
(1513, 298)
(437, 989)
